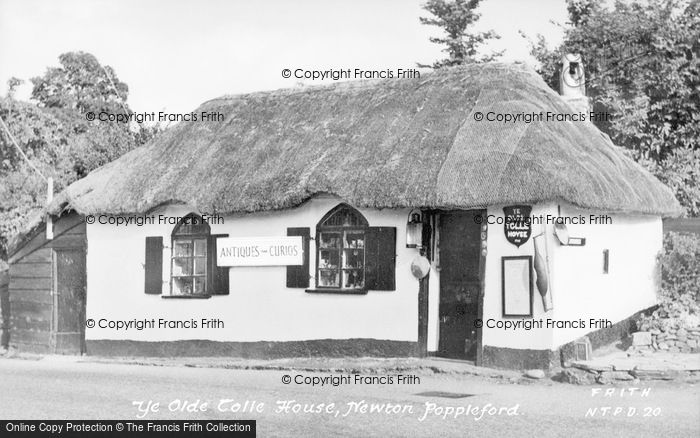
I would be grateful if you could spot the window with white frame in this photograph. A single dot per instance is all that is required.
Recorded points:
(189, 259)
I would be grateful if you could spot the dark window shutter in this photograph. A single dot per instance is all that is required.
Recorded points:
(380, 258)
(217, 279)
(154, 265)
(298, 276)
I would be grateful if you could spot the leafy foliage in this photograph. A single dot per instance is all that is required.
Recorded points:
(680, 289)
(41, 133)
(642, 66)
(56, 137)
(82, 84)
(680, 170)
(455, 17)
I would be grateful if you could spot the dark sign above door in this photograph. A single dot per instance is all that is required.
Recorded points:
(517, 225)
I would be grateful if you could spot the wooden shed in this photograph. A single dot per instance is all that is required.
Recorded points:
(47, 288)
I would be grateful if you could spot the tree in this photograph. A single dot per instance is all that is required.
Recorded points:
(12, 85)
(580, 10)
(455, 17)
(82, 84)
(56, 137)
(642, 66)
(42, 133)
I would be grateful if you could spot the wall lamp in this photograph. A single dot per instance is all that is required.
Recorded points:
(414, 230)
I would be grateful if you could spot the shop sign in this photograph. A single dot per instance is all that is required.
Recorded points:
(517, 225)
(260, 251)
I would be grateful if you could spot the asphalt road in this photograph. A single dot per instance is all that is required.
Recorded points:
(56, 389)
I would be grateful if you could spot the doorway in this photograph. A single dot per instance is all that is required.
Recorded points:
(69, 301)
(460, 284)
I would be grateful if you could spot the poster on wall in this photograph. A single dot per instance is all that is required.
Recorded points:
(516, 280)
(516, 225)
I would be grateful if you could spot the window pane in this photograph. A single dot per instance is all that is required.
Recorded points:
(330, 240)
(329, 279)
(182, 248)
(353, 278)
(354, 239)
(182, 266)
(199, 285)
(200, 265)
(200, 247)
(329, 259)
(354, 258)
(182, 286)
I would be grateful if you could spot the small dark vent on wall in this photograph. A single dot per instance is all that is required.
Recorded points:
(606, 260)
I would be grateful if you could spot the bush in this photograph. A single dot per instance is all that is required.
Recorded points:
(679, 304)
(680, 171)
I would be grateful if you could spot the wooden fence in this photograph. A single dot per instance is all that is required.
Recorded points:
(684, 225)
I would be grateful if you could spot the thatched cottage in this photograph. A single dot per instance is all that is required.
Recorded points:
(362, 218)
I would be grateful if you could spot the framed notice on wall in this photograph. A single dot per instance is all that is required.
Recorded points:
(516, 281)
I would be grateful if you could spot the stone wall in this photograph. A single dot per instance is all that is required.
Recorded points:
(682, 340)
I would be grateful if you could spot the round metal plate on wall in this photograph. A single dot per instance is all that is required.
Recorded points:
(420, 266)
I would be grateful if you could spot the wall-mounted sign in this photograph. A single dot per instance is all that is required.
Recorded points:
(517, 225)
(516, 284)
(260, 251)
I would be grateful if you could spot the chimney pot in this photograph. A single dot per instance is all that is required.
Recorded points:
(572, 82)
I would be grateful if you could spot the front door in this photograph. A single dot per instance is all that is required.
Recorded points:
(69, 303)
(460, 284)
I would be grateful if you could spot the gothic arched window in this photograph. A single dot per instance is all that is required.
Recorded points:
(341, 249)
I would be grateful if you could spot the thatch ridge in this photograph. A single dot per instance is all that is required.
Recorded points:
(381, 144)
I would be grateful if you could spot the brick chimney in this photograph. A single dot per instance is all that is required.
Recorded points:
(572, 83)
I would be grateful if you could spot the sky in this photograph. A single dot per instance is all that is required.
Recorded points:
(176, 54)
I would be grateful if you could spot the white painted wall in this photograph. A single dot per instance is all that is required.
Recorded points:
(498, 246)
(260, 307)
(582, 291)
(433, 309)
(579, 288)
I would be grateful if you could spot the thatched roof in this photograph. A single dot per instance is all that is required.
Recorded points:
(386, 143)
